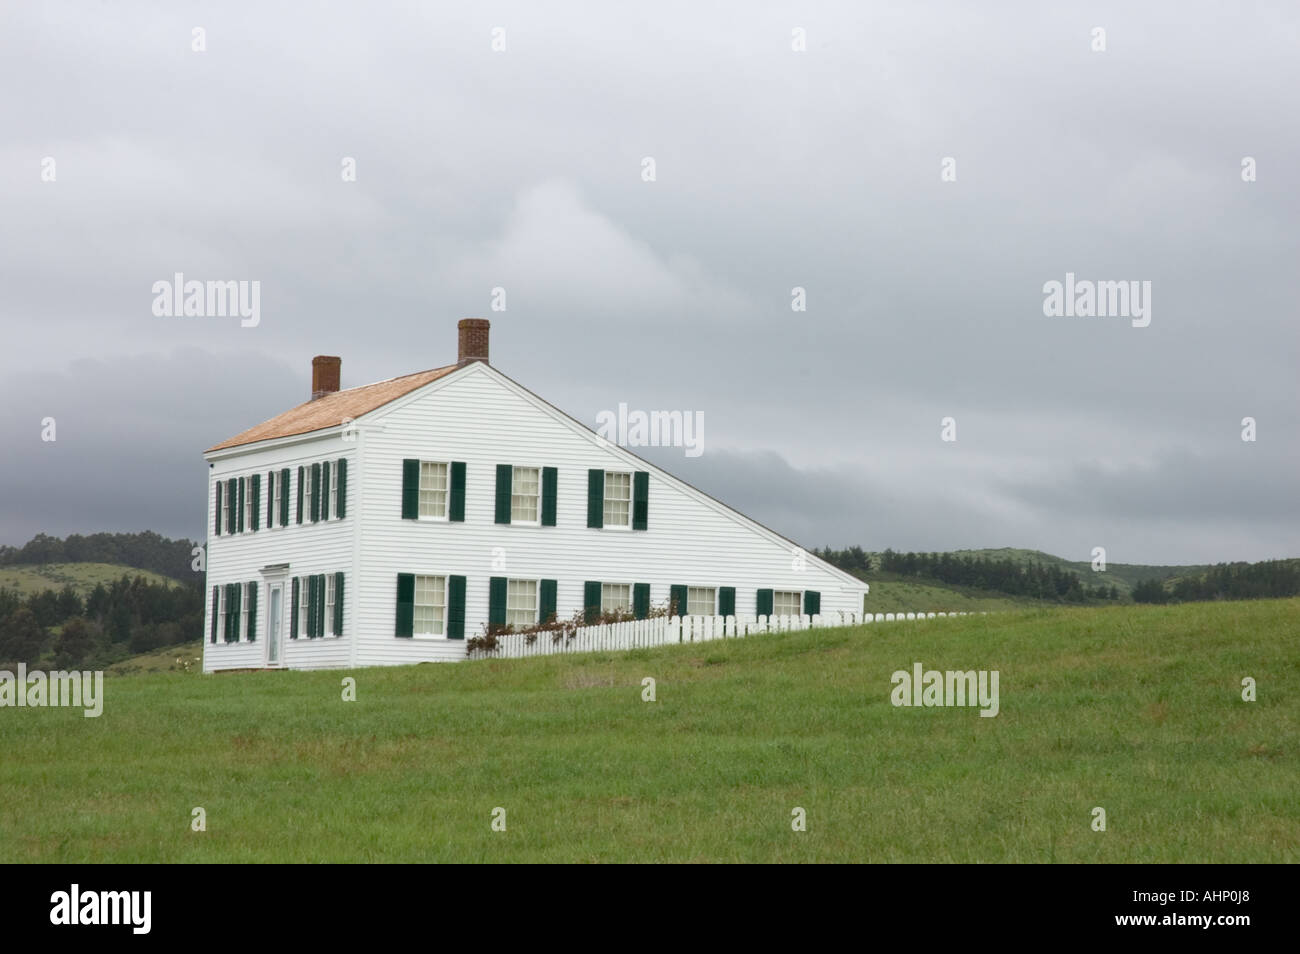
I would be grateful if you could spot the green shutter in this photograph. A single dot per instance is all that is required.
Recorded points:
(216, 611)
(591, 600)
(640, 499)
(338, 603)
(595, 498)
(320, 605)
(293, 612)
(324, 490)
(726, 601)
(343, 487)
(256, 492)
(764, 603)
(243, 484)
(233, 613)
(546, 601)
(456, 506)
(497, 601)
(812, 602)
(311, 606)
(550, 478)
(641, 600)
(252, 612)
(455, 607)
(315, 493)
(302, 476)
(284, 497)
(410, 494)
(232, 498)
(405, 604)
(677, 599)
(270, 499)
(505, 475)
(218, 517)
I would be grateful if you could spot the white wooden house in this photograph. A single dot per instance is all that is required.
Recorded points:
(384, 524)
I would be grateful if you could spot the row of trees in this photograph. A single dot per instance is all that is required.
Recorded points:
(142, 551)
(978, 572)
(130, 615)
(1227, 581)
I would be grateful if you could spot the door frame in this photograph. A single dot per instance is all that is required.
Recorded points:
(272, 577)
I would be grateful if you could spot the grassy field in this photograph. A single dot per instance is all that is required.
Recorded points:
(1134, 709)
(83, 576)
(908, 596)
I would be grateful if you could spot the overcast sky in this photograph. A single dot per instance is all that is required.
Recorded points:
(774, 168)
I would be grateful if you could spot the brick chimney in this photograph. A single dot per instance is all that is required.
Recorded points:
(473, 341)
(324, 375)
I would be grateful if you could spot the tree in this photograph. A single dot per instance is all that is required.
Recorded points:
(21, 637)
(74, 643)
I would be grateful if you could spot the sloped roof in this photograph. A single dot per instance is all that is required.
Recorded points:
(334, 409)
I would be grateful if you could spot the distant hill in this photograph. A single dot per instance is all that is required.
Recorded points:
(83, 577)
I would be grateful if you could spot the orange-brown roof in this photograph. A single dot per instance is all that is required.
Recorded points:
(334, 409)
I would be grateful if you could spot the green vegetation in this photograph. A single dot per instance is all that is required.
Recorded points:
(1134, 709)
(82, 577)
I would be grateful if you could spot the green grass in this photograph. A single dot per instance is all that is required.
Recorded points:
(904, 595)
(28, 579)
(1134, 709)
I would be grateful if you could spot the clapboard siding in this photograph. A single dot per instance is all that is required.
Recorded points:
(479, 417)
(307, 548)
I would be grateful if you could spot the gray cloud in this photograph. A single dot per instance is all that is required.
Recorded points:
(522, 170)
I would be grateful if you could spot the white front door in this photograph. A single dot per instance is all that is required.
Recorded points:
(274, 624)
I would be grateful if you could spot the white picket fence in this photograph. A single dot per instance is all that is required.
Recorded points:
(662, 630)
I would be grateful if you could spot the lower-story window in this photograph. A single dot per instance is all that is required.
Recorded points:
(304, 604)
(430, 618)
(616, 598)
(786, 603)
(328, 621)
(701, 601)
(521, 603)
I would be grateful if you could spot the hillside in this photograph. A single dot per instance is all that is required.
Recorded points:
(83, 576)
(1134, 709)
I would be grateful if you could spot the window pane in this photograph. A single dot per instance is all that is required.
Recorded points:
(700, 601)
(523, 494)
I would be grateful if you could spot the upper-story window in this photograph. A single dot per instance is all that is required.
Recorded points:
(332, 470)
(618, 499)
(433, 490)
(308, 491)
(787, 603)
(525, 495)
(226, 505)
(246, 502)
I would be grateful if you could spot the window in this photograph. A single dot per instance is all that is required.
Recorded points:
(701, 601)
(618, 499)
(786, 603)
(524, 491)
(327, 625)
(332, 474)
(225, 609)
(307, 490)
(616, 597)
(246, 495)
(430, 606)
(225, 505)
(241, 621)
(433, 492)
(303, 604)
(521, 601)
